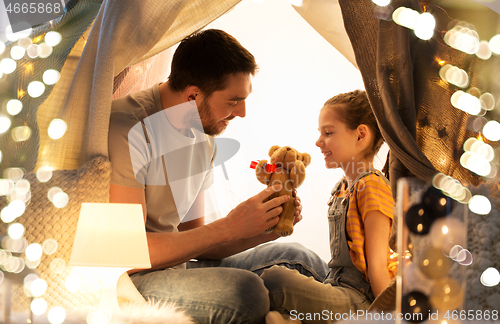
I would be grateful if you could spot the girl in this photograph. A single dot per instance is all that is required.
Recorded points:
(359, 217)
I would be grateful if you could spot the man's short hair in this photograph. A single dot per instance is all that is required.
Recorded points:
(206, 58)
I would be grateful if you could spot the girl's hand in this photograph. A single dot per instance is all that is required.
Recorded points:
(298, 209)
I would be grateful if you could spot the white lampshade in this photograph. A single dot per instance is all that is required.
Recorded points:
(111, 235)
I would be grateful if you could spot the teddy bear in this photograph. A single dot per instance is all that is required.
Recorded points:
(290, 171)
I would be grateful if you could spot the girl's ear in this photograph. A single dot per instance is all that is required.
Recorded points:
(363, 133)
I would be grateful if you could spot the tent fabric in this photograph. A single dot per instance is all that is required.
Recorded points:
(424, 131)
(152, 27)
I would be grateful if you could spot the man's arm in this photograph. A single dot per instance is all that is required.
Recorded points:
(236, 246)
(247, 220)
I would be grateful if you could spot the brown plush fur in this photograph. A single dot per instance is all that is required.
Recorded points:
(290, 173)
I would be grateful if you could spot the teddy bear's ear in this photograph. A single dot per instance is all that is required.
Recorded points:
(306, 158)
(273, 149)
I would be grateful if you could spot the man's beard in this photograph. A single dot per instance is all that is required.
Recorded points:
(210, 124)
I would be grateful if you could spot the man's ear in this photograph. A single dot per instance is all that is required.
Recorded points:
(191, 93)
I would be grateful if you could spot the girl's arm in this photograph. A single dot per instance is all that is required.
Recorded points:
(377, 229)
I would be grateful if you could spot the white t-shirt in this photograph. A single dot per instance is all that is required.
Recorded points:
(141, 162)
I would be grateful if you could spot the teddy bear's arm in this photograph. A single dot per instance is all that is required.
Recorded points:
(260, 171)
(298, 174)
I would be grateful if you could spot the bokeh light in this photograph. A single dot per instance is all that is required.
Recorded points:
(53, 38)
(34, 50)
(484, 50)
(44, 174)
(447, 294)
(14, 107)
(480, 204)
(494, 44)
(15, 231)
(45, 50)
(57, 128)
(21, 133)
(34, 251)
(24, 42)
(8, 65)
(424, 26)
(490, 277)
(491, 130)
(17, 52)
(2, 47)
(38, 306)
(38, 287)
(381, 3)
(4, 124)
(51, 76)
(56, 315)
(60, 199)
(36, 89)
(49, 246)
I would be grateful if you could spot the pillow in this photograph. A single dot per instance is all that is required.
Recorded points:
(68, 287)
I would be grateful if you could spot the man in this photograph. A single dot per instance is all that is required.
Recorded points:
(161, 158)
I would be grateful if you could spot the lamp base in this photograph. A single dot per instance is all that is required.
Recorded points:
(109, 279)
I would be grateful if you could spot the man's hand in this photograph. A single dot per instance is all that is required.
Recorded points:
(254, 216)
(298, 209)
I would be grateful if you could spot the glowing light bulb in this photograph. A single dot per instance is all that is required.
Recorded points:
(490, 277)
(480, 205)
(34, 50)
(14, 107)
(21, 133)
(34, 252)
(56, 315)
(491, 130)
(53, 38)
(4, 124)
(407, 18)
(2, 47)
(36, 89)
(51, 77)
(57, 128)
(424, 26)
(45, 50)
(17, 52)
(8, 65)
(60, 199)
(38, 306)
(484, 51)
(16, 231)
(44, 174)
(494, 44)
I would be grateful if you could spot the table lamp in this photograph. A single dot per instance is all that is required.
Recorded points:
(112, 239)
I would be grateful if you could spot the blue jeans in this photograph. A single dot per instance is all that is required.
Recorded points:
(228, 290)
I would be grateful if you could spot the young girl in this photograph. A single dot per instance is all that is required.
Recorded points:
(359, 217)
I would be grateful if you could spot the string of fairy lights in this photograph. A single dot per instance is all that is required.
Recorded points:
(479, 157)
(16, 252)
(446, 234)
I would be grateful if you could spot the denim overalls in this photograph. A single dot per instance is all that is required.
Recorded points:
(342, 271)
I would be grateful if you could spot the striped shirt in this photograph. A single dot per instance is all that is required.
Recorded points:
(371, 193)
